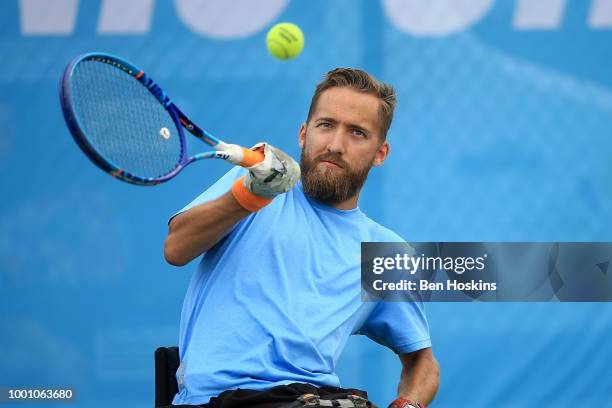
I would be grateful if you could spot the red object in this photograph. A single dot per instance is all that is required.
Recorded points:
(405, 403)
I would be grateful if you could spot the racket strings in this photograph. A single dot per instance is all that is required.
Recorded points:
(123, 121)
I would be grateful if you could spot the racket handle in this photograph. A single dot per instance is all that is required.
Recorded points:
(251, 157)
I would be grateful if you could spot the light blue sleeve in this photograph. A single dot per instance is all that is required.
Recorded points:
(401, 326)
(215, 191)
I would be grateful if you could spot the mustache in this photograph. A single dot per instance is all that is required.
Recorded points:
(331, 157)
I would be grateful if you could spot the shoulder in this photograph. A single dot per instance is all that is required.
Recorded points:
(380, 233)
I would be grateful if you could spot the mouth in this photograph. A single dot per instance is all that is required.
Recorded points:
(329, 163)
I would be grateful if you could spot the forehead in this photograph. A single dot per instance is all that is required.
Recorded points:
(348, 105)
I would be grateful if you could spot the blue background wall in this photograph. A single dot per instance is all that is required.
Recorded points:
(503, 133)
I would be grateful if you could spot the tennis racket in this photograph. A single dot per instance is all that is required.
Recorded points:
(125, 123)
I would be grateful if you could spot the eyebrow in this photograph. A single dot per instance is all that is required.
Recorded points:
(350, 125)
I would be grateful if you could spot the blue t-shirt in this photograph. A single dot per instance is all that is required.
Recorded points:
(275, 300)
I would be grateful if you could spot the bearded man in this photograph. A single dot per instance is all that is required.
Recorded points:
(277, 292)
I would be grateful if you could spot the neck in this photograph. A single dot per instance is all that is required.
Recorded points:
(347, 204)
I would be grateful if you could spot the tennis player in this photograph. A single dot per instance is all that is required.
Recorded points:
(277, 291)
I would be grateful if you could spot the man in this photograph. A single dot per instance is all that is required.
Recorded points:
(277, 292)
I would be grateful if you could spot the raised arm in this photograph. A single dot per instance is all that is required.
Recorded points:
(196, 230)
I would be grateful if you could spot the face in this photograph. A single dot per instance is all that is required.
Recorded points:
(340, 144)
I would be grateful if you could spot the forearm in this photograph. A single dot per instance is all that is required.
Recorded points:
(420, 378)
(196, 231)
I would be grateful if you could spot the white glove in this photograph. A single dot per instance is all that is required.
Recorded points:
(275, 175)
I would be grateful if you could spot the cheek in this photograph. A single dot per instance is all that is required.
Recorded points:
(362, 158)
(310, 145)
(307, 152)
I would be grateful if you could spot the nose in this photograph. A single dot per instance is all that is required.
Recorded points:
(336, 142)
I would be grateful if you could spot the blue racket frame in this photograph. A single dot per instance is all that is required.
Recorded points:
(181, 121)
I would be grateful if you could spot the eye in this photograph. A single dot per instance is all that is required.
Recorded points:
(326, 125)
(359, 133)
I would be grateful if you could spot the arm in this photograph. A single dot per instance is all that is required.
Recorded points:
(420, 376)
(196, 230)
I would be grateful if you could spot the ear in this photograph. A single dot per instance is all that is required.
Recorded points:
(302, 135)
(381, 153)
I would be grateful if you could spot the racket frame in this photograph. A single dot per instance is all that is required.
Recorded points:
(233, 153)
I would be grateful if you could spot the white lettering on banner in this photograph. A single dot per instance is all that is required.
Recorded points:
(47, 17)
(601, 14)
(212, 18)
(538, 14)
(434, 18)
(228, 19)
(125, 17)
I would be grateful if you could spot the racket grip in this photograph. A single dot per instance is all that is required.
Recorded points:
(251, 157)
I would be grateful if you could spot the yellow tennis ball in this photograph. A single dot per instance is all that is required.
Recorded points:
(285, 41)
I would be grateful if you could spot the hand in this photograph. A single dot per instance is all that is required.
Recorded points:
(405, 403)
(275, 175)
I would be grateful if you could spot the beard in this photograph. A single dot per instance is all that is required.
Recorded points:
(331, 185)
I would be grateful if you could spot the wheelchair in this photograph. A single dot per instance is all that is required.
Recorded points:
(167, 362)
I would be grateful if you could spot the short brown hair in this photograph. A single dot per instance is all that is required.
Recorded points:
(363, 82)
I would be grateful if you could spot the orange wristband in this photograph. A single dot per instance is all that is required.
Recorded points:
(246, 199)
